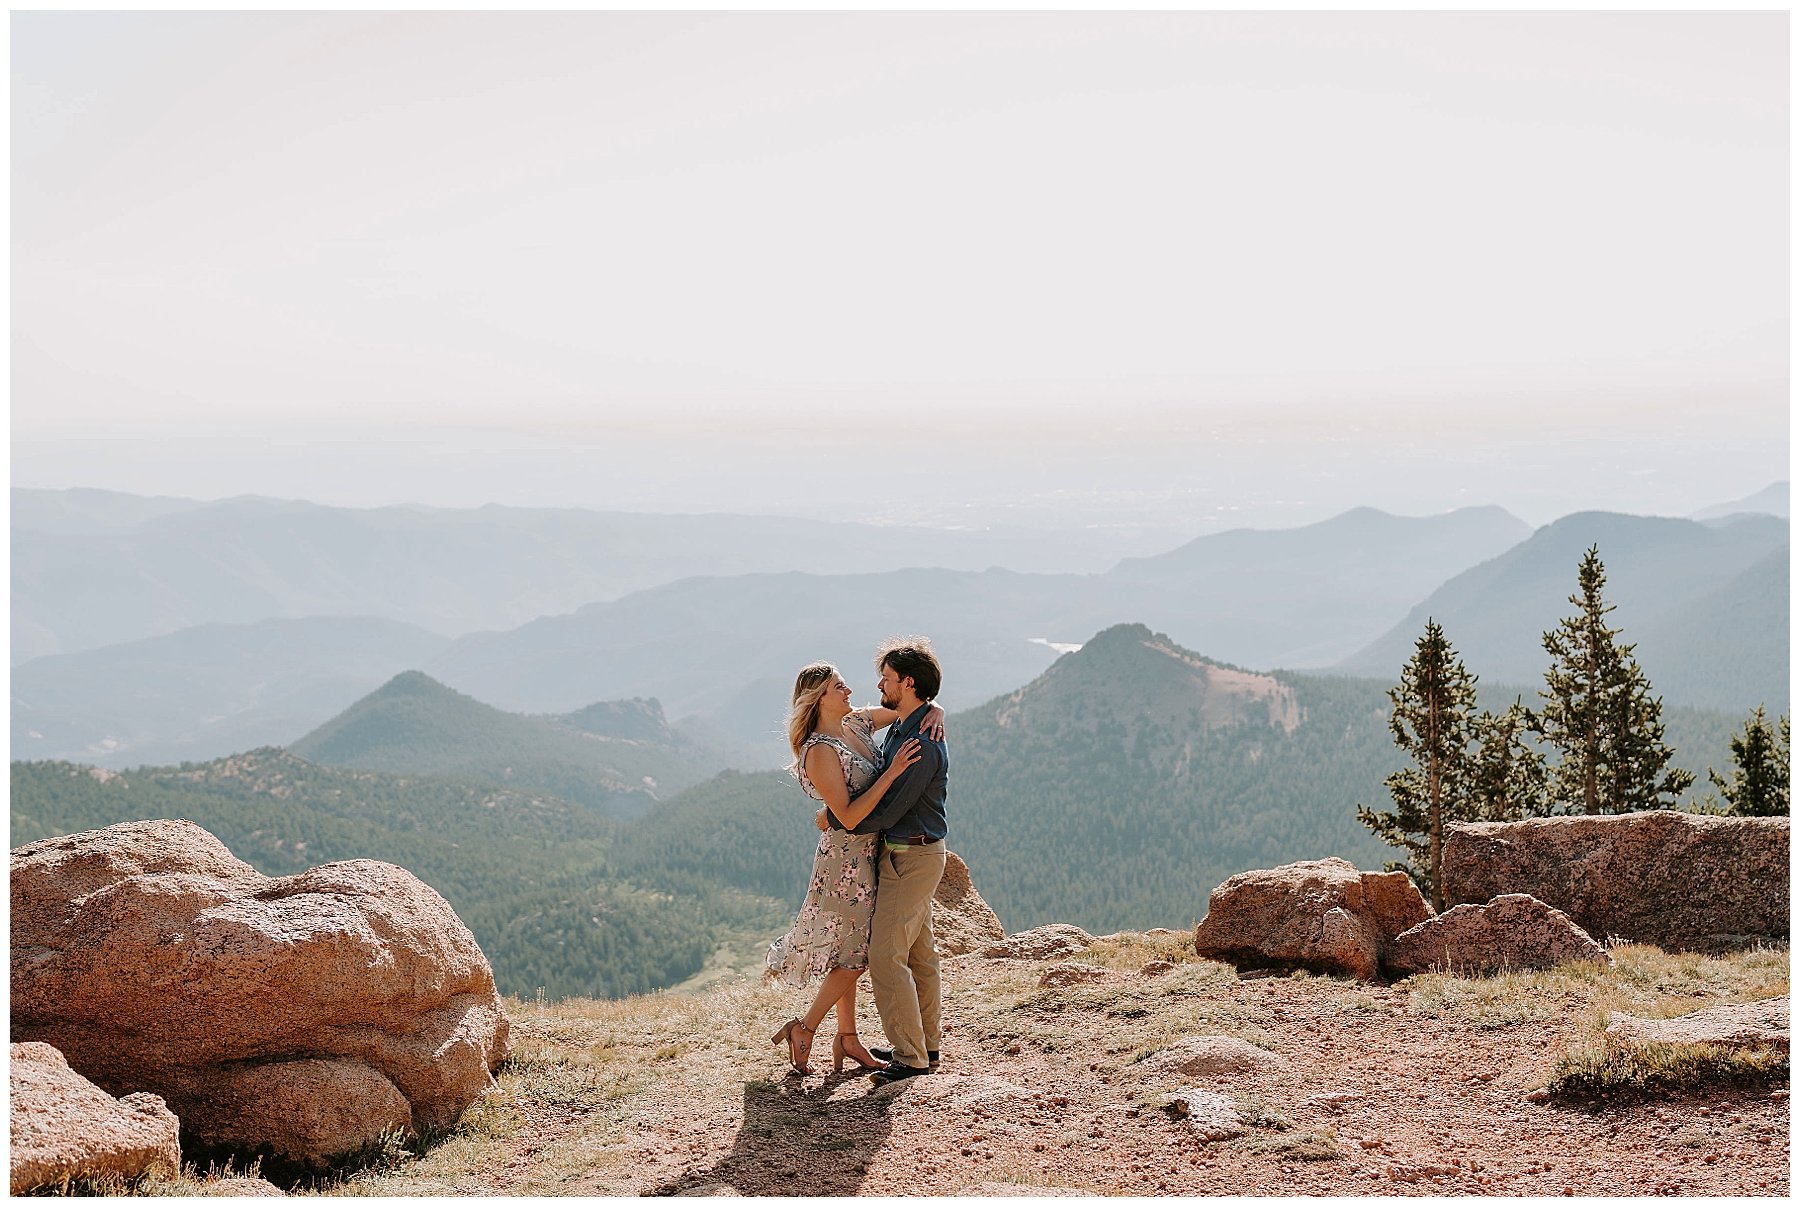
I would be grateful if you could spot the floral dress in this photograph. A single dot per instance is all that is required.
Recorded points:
(832, 929)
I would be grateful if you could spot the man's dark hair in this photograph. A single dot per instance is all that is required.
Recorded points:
(911, 657)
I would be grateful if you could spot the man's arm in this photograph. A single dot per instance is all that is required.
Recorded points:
(906, 791)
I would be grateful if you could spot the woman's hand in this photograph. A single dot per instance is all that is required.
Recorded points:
(932, 724)
(906, 756)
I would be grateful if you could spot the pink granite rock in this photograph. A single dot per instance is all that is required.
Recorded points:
(64, 1127)
(1051, 942)
(1511, 931)
(1761, 1024)
(1679, 880)
(960, 919)
(1319, 914)
(306, 1015)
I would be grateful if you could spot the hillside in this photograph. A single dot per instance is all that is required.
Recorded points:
(535, 878)
(1133, 769)
(1728, 648)
(1673, 581)
(205, 692)
(620, 757)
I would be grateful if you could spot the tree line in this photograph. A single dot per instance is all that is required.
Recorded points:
(1593, 745)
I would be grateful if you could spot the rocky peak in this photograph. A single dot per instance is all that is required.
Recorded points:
(1129, 670)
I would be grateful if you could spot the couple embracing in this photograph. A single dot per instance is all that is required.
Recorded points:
(878, 862)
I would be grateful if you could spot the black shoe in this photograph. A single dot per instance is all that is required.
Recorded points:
(887, 1054)
(897, 1072)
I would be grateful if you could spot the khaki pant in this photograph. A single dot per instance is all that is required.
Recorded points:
(903, 961)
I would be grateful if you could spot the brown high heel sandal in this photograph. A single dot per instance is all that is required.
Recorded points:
(839, 1054)
(787, 1033)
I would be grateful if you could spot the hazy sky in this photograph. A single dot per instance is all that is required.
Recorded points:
(1192, 268)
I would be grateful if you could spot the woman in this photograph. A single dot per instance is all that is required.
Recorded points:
(836, 762)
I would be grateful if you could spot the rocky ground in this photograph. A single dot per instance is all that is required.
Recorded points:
(1432, 1086)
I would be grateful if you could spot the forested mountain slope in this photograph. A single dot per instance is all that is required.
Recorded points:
(535, 878)
(625, 759)
(1728, 648)
(1120, 787)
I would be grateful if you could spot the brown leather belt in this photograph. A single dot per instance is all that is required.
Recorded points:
(910, 840)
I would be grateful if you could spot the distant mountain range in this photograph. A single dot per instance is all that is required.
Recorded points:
(1707, 605)
(206, 691)
(729, 647)
(726, 648)
(720, 652)
(92, 568)
(1770, 500)
(1303, 597)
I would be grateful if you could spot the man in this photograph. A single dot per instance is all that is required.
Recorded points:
(909, 862)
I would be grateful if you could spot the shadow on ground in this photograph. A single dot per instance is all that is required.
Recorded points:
(798, 1138)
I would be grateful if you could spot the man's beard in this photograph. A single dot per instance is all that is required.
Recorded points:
(887, 702)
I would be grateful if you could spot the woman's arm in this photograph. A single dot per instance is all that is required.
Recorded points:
(827, 775)
(931, 725)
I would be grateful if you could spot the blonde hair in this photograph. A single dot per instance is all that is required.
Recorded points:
(810, 686)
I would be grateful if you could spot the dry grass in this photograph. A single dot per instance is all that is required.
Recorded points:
(1642, 980)
(1358, 1001)
(1130, 950)
(1605, 1074)
(1318, 1145)
(1254, 1112)
(191, 1182)
(580, 1067)
(1134, 1016)
(106, 1186)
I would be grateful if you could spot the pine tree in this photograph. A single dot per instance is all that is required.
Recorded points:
(1507, 776)
(1433, 721)
(1600, 715)
(1758, 786)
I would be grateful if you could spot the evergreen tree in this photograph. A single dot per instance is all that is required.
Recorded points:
(1433, 721)
(1600, 715)
(1758, 786)
(1507, 777)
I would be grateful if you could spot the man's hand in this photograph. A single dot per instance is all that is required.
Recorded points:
(819, 820)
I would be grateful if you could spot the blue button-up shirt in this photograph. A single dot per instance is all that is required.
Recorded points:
(915, 802)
